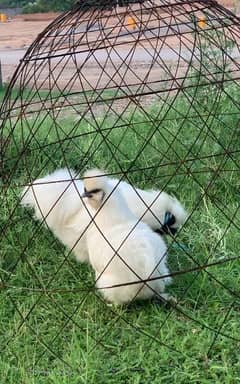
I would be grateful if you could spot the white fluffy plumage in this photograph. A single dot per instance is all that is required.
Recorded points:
(122, 249)
(151, 206)
(56, 200)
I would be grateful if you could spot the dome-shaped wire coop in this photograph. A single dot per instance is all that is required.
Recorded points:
(150, 93)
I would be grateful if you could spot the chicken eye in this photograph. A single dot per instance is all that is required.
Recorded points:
(96, 190)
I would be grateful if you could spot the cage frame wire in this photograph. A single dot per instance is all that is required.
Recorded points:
(55, 110)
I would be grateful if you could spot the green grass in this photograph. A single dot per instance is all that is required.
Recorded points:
(73, 337)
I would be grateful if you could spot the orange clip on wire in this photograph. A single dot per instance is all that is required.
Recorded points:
(202, 22)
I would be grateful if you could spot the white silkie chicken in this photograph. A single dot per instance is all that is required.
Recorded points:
(162, 212)
(56, 200)
(122, 249)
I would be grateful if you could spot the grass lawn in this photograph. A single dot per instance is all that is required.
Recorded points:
(54, 327)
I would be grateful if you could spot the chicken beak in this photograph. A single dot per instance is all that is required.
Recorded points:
(172, 230)
(86, 194)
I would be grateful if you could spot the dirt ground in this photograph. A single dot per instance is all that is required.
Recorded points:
(23, 29)
(17, 34)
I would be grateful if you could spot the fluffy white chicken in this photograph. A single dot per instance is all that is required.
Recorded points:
(122, 249)
(162, 212)
(56, 200)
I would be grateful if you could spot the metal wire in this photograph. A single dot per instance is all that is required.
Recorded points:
(150, 72)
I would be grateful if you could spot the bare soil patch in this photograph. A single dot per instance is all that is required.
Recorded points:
(22, 30)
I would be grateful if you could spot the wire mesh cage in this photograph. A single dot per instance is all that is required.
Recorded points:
(149, 92)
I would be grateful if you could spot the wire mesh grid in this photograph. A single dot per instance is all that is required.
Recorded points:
(148, 92)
